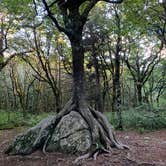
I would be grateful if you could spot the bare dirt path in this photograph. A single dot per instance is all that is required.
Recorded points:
(147, 149)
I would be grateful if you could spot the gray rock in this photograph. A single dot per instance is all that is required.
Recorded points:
(23, 143)
(27, 142)
(71, 135)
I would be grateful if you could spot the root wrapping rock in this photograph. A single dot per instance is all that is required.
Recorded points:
(74, 130)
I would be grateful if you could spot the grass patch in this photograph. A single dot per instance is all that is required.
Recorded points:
(9, 120)
(137, 119)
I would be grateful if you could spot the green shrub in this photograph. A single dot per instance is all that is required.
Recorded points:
(140, 120)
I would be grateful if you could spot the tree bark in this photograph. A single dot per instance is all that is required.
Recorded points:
(139, 93)
(1, 45)
(117, 92)
(116, 84)
(78, 70)
(98, 86)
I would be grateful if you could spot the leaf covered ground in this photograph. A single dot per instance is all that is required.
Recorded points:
(148, 149)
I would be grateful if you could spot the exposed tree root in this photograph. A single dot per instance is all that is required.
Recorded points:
(102, 134)
(45, 144)
(85, 156)
(92, 154)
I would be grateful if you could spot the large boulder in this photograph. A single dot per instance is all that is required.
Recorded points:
(71, 135)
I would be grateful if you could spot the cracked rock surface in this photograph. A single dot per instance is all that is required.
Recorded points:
(70, 135)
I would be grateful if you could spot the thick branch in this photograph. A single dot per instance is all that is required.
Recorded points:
(88, 9)
(3, 64)
(130, 69)
(50, 15)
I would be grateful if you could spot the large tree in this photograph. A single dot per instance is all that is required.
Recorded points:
(74, 15)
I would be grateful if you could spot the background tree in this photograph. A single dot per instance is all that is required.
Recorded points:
(143, 65)
(45, 72)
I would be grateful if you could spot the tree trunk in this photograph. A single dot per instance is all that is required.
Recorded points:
(1, 45)
(117, 91)
(58, 103)
(113, 94)
(98, 86)
(116, 86)
(139, 93)
(158, 101)
(78, 70)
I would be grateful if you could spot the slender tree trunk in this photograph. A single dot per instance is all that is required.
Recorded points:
(158, 97)
(58, 103)
(59, 85)
(118, 91)
(113, 93)
(105, 92)
(116, 85)
(1, 45)
(139, 93)
(98, 86)
(158, 101)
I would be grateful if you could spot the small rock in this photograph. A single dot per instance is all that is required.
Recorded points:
(127, 137)
(163, 143)
(147, 138)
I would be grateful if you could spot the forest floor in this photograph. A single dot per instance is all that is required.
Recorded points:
(148, 149)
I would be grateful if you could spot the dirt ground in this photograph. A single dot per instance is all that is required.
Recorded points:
(147, 149)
